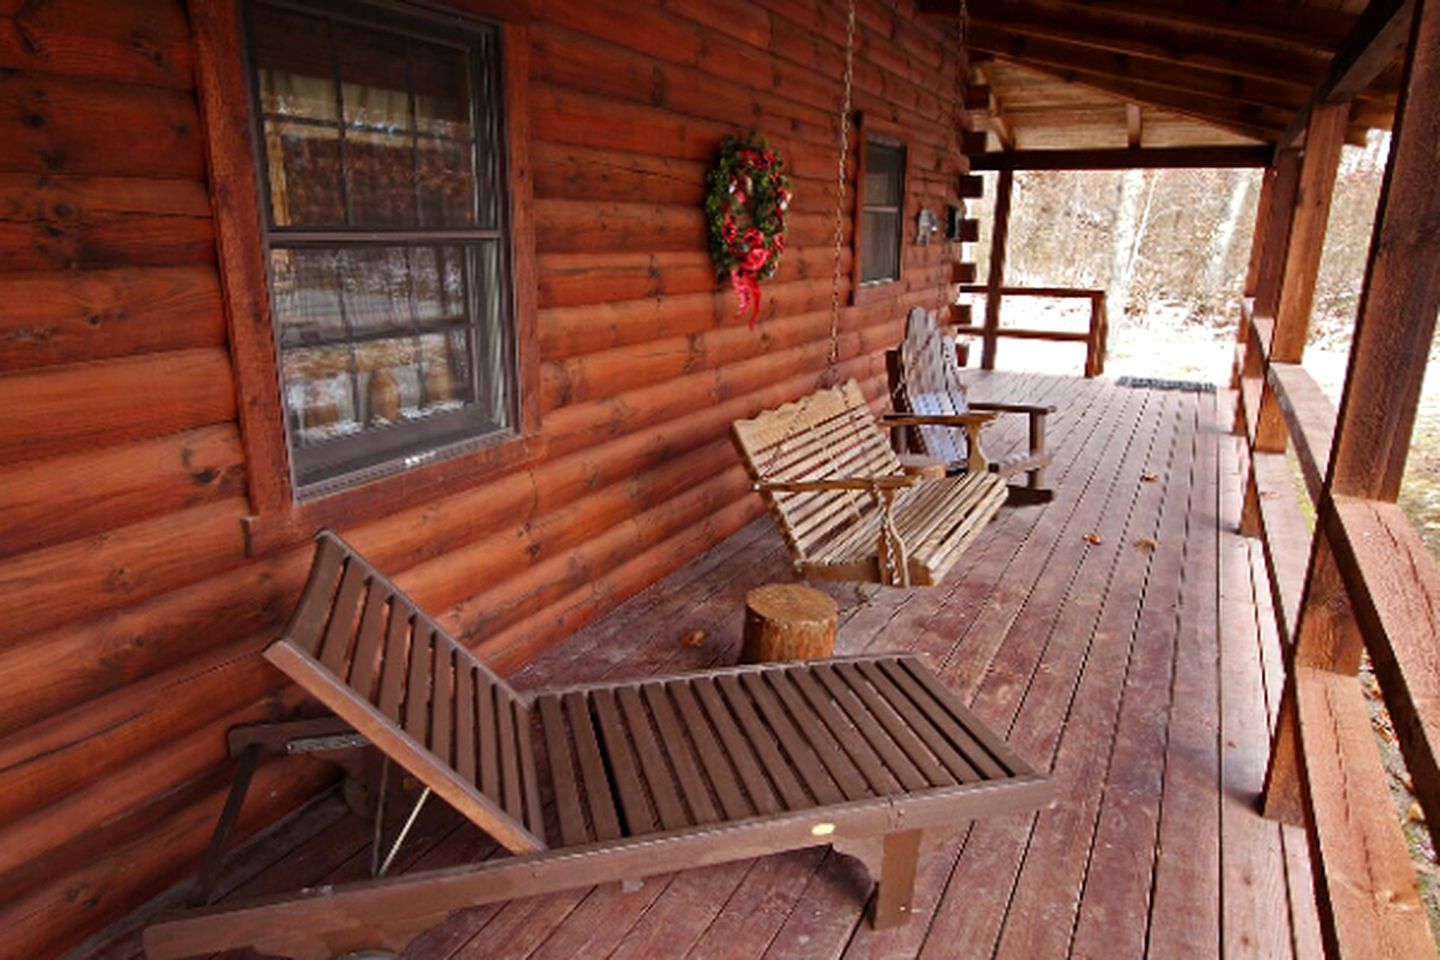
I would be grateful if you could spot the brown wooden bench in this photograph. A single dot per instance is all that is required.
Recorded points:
(842, 501)
(932, 406)
(638, 777)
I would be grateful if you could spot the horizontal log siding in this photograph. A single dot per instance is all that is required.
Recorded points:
(133, 618)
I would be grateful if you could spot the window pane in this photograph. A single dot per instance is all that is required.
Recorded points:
(379, 338)
(293, 65)
(305, 297)
(442, 90)
(495, 352)
(321, 394)
(445, 178)
(304, 173)
(884, 174)
(880, 258)
(374, 78)
(380, 177)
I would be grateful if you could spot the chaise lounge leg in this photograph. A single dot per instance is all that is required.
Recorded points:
(896, 888)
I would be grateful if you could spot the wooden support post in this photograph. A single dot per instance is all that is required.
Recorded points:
(1327, 638)
(1262, 226)
(788, 621)
(1277, 232)
(896, 883)
(999, 235)
(1323, 140)
(1396, 321)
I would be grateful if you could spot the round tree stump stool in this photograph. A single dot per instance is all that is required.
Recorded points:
(788, 621)
(927, 467)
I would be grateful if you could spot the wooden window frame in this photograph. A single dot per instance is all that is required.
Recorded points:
(278, 517)
(870, 127)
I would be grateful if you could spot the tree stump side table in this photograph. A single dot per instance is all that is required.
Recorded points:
(788, 621)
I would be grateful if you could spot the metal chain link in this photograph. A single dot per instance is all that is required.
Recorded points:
(841, 182)
(944, 292)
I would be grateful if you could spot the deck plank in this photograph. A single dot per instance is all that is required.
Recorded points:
(1185, 910)
(1254, 894)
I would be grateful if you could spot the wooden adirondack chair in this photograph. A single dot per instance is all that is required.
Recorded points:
(646, 776)
(843, 502)
(930, 401)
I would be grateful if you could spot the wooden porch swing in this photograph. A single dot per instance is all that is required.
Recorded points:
(823, 464)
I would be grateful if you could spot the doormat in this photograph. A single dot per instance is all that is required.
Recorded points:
(1152, 383)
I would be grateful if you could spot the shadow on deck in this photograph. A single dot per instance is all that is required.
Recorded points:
(1116, 636)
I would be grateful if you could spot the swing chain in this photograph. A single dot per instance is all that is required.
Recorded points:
(841, 183)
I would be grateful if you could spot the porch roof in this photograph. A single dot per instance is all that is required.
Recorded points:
(1080, 74)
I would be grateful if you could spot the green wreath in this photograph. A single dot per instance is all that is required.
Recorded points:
(749, 195)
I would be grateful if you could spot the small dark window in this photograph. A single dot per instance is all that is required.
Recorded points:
(883, 198)
(379, 145)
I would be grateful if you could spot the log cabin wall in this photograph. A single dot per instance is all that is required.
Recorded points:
(131, 613)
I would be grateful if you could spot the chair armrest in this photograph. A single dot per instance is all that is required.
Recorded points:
(1040, 408)
(887, 482)
(936, 419)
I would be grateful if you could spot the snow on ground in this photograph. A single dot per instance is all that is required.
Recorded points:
(1166, 343)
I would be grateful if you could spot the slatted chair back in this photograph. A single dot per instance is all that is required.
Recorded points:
(927, 382)
(828, 435)
(366, 651)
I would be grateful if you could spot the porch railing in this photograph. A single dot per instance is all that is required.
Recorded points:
(1362, 581)
(1095, 337)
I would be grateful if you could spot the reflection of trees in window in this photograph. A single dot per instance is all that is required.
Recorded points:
(387, 240)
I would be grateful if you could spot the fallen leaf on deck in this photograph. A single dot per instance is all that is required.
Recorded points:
(1145, 543)
(1149, 477)
(1414, 814)
(1094, 538)
(695, 638)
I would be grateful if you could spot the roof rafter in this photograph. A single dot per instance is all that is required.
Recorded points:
(1236, 56)
(1090, 60)
(1382, 31)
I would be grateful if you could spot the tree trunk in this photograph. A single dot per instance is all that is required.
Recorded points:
(1125, 242)
(1223, 238)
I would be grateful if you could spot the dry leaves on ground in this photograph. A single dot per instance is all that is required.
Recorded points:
(695, 638)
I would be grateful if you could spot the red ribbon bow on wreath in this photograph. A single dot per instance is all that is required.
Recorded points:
(749, 195)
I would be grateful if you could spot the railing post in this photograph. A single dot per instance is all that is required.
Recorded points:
(999, 236)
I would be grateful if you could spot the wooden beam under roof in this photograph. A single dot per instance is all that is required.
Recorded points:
(1235, 56)
(1068, 55)
(1123, 159)
(1246, 119)
(1381, 33)
(1313, 27)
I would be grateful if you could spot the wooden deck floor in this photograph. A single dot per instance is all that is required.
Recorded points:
(1115, 636)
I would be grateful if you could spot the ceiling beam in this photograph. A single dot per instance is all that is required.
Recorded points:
(1236, 56)
(1246, 119)
(1313, 27)
(1381, 33)
(1065, 55)
(1120, 159)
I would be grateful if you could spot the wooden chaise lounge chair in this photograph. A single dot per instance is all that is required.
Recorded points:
(930, 401)
(646, 776)
(843, 502)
